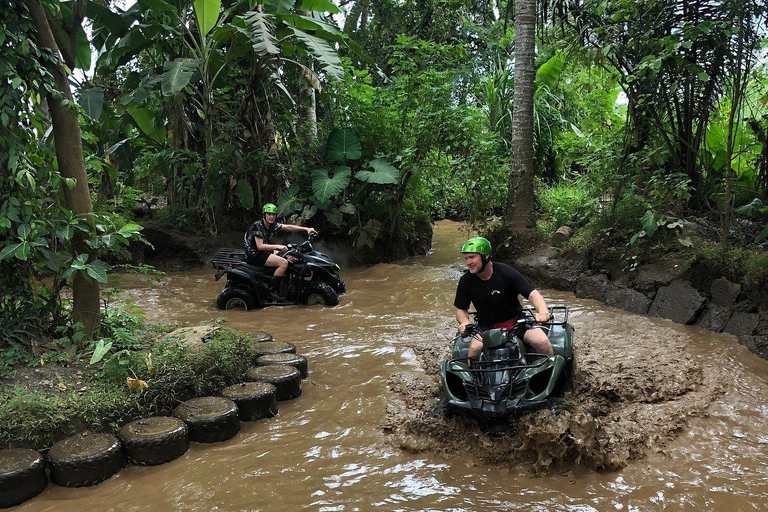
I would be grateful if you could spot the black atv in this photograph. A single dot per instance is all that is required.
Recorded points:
(312, 278)
(507, 378)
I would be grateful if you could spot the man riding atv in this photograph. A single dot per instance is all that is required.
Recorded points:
(259, 249)
(493, 288)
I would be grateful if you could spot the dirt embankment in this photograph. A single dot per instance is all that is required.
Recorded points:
(630, 399)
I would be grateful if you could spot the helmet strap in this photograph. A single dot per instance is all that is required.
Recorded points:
(485, 259)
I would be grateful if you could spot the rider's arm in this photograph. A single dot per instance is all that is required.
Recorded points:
(261, 246)
(294, 227)
(462, 316)
(540, 305)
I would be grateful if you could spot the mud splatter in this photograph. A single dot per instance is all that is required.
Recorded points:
(633, 395)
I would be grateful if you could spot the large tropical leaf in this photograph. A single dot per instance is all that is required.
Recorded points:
(343, 144)
(260, 29)
(319, 5)
(92, 101)
(310, 23)
(207, 13)
(384, 173)
(288, 203)
(245, 193)
(326, 186)
(327, 57)
(177, 74)
(278, 6)
(146, 122)
(549, 72)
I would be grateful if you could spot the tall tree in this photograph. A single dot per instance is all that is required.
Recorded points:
(520, 197)
(69, 151)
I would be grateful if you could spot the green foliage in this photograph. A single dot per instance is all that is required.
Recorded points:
(567, 204)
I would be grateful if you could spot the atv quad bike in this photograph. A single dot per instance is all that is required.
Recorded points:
(312, 278)
(507, 378)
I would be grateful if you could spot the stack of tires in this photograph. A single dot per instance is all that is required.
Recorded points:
(90, 458)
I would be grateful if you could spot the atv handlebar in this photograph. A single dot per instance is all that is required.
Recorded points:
(527, 319)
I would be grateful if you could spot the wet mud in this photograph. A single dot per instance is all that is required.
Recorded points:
(633, 395)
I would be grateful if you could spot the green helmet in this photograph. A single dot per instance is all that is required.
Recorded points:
(269, 208)
(478, 244)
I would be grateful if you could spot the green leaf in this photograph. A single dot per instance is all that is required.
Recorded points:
(260, 29)
(327, 57)
(177, 74)
(343, 144)
(245, 193)
(207, 13)
(384, 173)
(288, 203)
(279, 6)
(763, 234)
(102, 348)
(92, 101)
(319, 6)
(129, 230)
(145, 120)
(649, 223)
(83, 50)
(549, 72)
(8, 250)
(369, 233)
(22, 251)
(325, 186)
(97, 269)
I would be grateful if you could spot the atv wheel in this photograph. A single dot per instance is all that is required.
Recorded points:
(155, 440)
(210, 418)
(85, 459)
(22, 476)
(319, 294)
(231, 298)
(339, 287)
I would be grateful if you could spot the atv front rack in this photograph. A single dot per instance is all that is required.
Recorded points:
(477, 366)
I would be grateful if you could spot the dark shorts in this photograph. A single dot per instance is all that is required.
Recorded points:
(258, 258)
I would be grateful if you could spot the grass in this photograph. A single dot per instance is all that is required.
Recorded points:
(35, 417)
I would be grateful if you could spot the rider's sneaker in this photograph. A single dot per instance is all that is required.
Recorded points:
(277, 291)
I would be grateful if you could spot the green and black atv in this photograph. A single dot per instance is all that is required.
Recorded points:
(507, 379)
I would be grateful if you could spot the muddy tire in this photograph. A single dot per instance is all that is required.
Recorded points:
(155, 440)
(286, 379)
(297, 361)
(339, 287)
(85, 459)
(255, 400)
(261, 337)
(210, 419)
(274, 347)
(233, 298)
(22, 476)
(319, 294)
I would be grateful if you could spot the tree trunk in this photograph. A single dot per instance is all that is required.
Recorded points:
(520, 197)
(69, 154)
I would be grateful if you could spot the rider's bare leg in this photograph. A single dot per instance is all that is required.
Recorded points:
(537, 338)
(273, 260)
(475, 346)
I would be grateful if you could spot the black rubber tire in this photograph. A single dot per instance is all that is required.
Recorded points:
(255, 400)
(231, 298)
(155, 440)
(340, 287)
(274, 347)
(319, 293)
(210, 419)
(286, 379)
(297, 361)
(85, 459)
(22, 476)
(260, 337)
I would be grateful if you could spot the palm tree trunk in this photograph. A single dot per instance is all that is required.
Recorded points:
(520, 198)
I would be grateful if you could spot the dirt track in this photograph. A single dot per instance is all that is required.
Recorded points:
(631, 398)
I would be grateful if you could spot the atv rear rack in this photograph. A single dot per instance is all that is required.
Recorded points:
(226, 257)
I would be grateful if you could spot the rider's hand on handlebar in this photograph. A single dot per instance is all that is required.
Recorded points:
(311, 231)
(463, 328)
(542, 318)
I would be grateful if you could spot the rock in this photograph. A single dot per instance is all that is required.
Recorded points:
(546, 272)
(679, 302)
(193, 337)
(655, 275)
(593, 287)
(561, 236)
(756, 344)
(628, 300)
(724, 292)
(714, 317)
(742, 324)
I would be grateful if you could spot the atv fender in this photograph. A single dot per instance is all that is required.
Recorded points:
(554, 366)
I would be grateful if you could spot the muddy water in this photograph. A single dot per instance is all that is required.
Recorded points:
(679, 433)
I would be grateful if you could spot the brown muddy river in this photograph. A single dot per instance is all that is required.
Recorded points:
(679, 416)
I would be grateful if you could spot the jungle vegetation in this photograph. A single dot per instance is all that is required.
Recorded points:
(633, 122)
